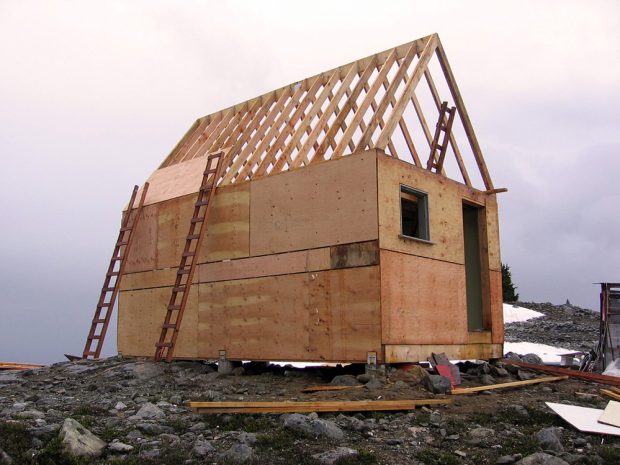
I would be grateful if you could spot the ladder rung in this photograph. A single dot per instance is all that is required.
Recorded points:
(197, 220)
(116, 259)
(202, 203)
(95, 337)
(163, 344)
(179, 289)
(108, 289)
(184, 271)
(168, 326)
(120, 244)
(98, 320)
(191, 237)
(188, 254)
(126, 228)
(112, 273)
(174, 307)
(105, 304)
(90, 353)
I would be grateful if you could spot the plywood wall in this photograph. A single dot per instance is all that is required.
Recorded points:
(445, 203)
(140, 315)
(423, 300)
(324, 204)
(327, 315)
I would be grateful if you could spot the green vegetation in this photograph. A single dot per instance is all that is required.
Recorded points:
(509, 290)
(14, 440)
(437, 457)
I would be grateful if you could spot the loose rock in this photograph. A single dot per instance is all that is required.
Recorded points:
(332, 456)
(79, 441)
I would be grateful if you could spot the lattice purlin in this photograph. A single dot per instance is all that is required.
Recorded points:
(347, 109)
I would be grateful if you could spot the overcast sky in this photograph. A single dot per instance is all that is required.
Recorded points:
(93, 95)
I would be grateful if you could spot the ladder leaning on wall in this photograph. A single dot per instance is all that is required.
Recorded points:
(111, 283)
(164, 348)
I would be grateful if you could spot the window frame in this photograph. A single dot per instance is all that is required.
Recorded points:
(423, 213)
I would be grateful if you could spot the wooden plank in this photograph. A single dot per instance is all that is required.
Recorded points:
(492, 227)
(346, 109)
(266, 265)
(361, 111)
(318, 316)
(462, 111)
(140, 314)
(583, 375)
(497, 307)
(399, 109)
(512, 384)
(609, 393)
(318, 406)
(413, 353)
(388, 97)
(357, 254)
(143, 253)
(321, 124)
(452, 139)
(243, 165)
(328, 387)
(19, 366)
(321, 205)
(174, 181)
(422, 301)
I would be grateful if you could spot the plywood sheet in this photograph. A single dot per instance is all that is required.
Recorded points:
(493, 233)
(418, 353)
(423, 300)
(445, 204)
(140, 316)
(585, 419)
(143, 253)
(325, 204)
(358, 254)
(228, 227)
(611, 414)
(327, 315)
(172, 228)
(497, 307)
(150, 279)
(266, 265)
(175, 181)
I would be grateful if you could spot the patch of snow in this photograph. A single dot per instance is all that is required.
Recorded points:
(516, 314)
(548, 354)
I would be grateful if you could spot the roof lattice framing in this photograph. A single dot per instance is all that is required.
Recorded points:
(348, 109)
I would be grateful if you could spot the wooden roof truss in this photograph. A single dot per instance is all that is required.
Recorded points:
(369, 103)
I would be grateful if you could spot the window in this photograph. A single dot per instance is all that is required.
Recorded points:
(414, 213)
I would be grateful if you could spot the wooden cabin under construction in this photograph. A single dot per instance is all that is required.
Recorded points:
(341, 225)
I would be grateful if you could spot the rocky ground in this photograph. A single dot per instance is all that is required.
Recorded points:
(566, 326)
(130, 411)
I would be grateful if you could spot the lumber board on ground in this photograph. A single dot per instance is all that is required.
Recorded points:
(512, 384)
(583, 375)
(328, 406)
(19, 366)
(610, 393)
(322, 205)
(415, 311)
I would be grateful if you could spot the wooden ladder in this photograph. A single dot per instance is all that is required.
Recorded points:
(435, 161)
(111, 284)
(180, 291)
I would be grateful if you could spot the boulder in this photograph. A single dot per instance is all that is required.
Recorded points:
(437, 384)
(312, 426)
(332, 456)
(120, 447)
(202, 447)
(148, 411)
(549, 440)
(532, 358)
(78, 441)
(238, 453)
(540, 458)
(5, 459)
